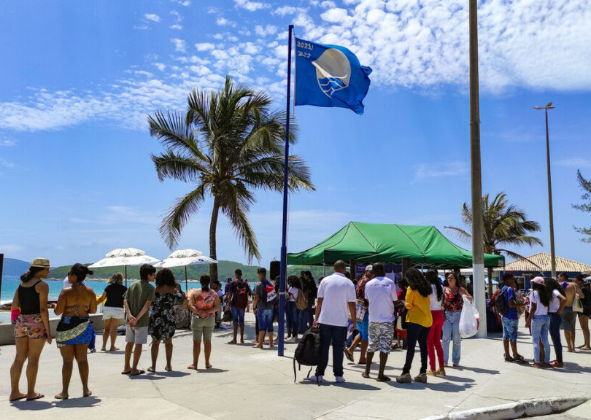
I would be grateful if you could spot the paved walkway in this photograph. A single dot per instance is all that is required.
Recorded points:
(249, 383)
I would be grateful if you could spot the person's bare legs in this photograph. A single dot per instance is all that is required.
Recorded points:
(506, 348)
(22, 352)
(368, 358)
(81, 352)
(137, 353)
(128, 351)
(235, 335)
(114, 325)
(207, 349)
(584, 322)
(354, 344)
(271, 339)
(35, 349)
(196, 352)
(68, 356)
(168, 348)
(514, 350)
(363, 353)
(383, 360)
(242, 334)
(106, 333)
(154, 352)
(570, 340)
(259, 344)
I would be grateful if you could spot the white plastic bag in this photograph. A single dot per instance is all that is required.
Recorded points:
(469, 319)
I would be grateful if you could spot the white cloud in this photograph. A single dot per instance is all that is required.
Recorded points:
(7, 143)
(439, 170)
(152, 17)
(182, 2)
(176, 26)
(160, 66)
(222, 21)
(179, 44)
(264, 31)
(328, 4)
(575, 163)
(251, 5)
(287, 10)
(6, 164)
(204, 46)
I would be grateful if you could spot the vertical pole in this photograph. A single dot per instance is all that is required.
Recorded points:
(550, 210)
(477, 220)
(125, 276)
(186, 280)
(1, 270)
(283, 274)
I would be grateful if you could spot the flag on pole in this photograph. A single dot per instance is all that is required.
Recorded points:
(329, 76)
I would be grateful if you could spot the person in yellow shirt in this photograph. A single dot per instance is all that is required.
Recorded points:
(419, 321)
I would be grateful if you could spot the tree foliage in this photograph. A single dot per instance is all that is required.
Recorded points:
(585, 207)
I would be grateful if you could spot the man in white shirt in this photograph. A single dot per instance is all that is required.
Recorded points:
(381, 293)
(335, 304)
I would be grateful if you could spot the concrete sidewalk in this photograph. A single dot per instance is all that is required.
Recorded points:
(250, 383)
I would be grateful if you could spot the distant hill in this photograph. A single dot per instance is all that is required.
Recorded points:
(14, 267)
(225, 270)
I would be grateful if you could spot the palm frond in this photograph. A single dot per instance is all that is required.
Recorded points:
(174, 133)
(171, 165)
(179, 215)
(460, 233)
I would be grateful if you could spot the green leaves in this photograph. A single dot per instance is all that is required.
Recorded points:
(585, 207)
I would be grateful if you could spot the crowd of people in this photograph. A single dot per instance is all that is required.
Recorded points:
(372, 310)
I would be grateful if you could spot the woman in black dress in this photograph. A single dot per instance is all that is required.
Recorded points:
(162, 319)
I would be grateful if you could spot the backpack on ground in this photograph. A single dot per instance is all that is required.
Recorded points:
(302, 301)
(241, 297)
(307, 352)
(501, 307)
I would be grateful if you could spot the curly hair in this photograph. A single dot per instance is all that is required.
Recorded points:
(418, 282)
(165, 277)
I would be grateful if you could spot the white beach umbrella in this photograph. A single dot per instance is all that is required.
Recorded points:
(123, 257)
(184, 258)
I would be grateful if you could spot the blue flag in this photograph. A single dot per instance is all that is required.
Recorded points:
(329, 76)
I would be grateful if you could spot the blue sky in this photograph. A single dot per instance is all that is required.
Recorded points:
(80, 78)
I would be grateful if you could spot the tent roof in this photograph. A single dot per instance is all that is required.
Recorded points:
(542, 262)
(371, 242)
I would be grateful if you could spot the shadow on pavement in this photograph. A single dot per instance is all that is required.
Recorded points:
(477, 370)
(173, 374)
(212, 370)
(457, 379)
(32, 405)
(78, 402)
(574, 368)
(442, 387)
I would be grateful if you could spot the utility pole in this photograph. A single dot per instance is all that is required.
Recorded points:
(477, 220)
(550, 210)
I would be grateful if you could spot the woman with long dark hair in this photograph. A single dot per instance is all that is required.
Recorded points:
(291, 309)
(434, 340)
(204, 303)
(162, 321)
(539, 321)
(74, 331)
(312, 291)
(452, 304)
(418, 323)
(31, 330)
(557, 303)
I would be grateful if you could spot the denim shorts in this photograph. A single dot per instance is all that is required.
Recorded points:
(237, 316)
(265, 317)
(510, 329)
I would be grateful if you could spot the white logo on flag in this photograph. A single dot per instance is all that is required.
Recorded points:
(333, 71)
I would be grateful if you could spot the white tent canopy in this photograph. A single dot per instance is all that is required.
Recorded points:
(123, 257)
(184, 258)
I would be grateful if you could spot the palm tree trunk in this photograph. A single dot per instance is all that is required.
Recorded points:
(213, 268)
(490, 285)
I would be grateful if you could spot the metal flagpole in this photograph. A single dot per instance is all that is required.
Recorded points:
(477, 217)
(283, 274)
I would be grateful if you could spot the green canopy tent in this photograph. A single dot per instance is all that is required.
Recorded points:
(389, 243)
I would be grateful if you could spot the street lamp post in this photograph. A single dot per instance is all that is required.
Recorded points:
(550, 211)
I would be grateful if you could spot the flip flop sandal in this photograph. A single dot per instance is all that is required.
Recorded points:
(18, 399)
(151, 370)
(509, 359)
(126, 373)
(349, 356)
(36, 397)
(141, 372)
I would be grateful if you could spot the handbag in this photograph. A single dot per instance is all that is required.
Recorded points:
(577, 304)
(360, 312)
(401, 320)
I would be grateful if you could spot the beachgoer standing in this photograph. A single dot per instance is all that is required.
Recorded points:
(434, 340)
(510, 319)
(113, 311)
(238, 301)
(381, 295)
(31, 330)
(557, 302)
(361, 306)
(162, 320)
(336, 302)
(138, 299)
(569, 317)
(291, 315)
(74, 331)
(539, 321)
(265, 297)
(204, 303)
(584, 316)
(452, 305)
(418, 323)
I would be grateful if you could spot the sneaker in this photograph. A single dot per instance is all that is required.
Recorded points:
(431, 373)
(422, 377)
(405, 378)
(339, 379)
(440, 371)
(315, 378)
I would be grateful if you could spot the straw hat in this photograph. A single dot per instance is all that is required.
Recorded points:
(40, 263)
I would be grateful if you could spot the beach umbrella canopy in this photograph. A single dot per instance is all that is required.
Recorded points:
(183, 258)
(123, 257)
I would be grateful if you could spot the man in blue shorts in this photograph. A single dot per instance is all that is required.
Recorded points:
(510, 319)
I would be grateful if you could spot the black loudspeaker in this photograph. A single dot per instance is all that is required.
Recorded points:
(274, 270)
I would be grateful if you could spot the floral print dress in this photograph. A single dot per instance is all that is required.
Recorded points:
(162, 319)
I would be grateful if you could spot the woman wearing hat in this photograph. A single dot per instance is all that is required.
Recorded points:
(32, 327)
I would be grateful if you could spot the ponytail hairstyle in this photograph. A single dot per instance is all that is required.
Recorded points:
(416, 281)
(31, 272)
(433, 278)
(543, 292)
(205, 281)
(551, 285)
(80, 271)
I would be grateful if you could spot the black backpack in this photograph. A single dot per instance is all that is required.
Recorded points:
(307, 352)
(501, 306)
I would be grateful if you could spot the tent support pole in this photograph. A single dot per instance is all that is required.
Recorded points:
(186, 281)
(125, 276)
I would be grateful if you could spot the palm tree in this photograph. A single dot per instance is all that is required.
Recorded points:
(227, 145)
(504, 225)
